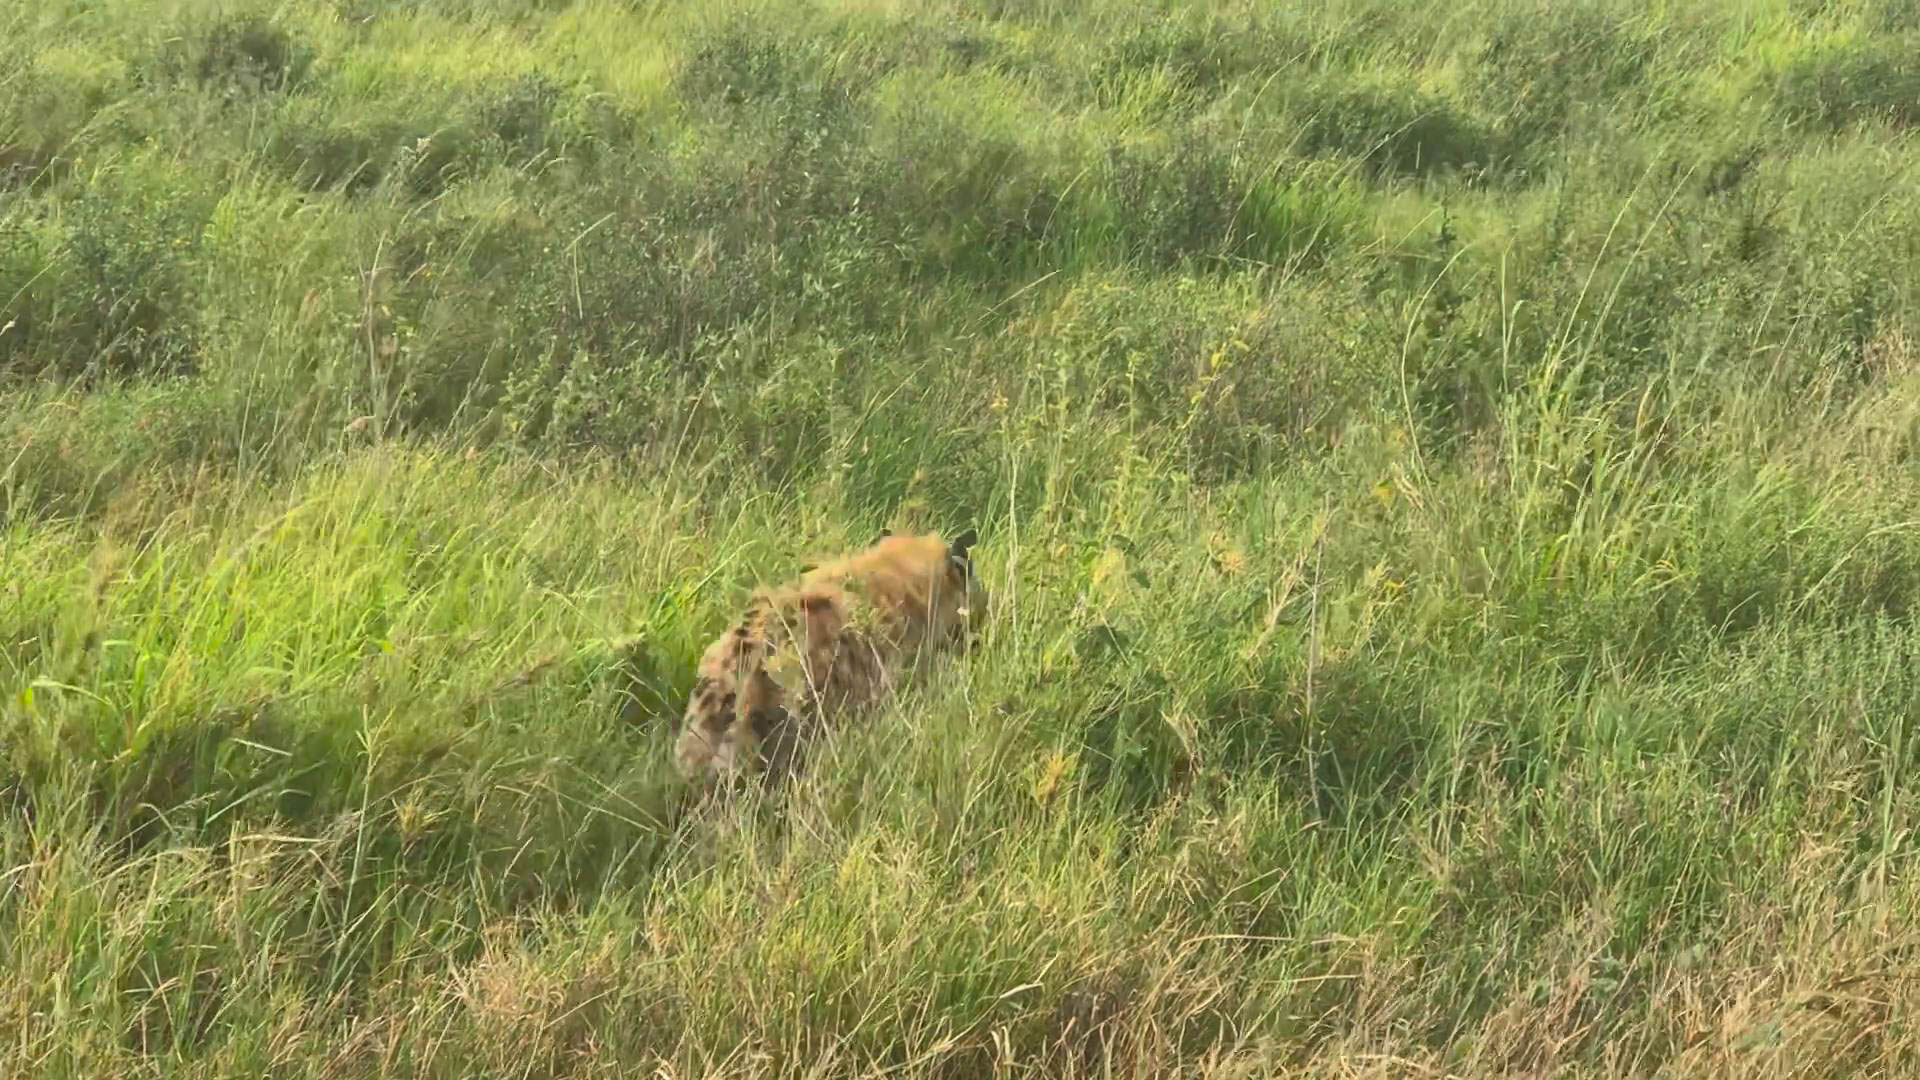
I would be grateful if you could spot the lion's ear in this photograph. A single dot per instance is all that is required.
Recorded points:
(884, 533)
(964, 541)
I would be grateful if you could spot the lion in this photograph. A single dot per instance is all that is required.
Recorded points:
(839, 640)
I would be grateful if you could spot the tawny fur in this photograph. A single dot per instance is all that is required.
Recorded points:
(834, 642)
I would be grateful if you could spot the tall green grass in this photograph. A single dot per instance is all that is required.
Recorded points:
(1445, 476)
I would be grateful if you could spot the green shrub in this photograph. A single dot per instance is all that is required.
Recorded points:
(109, 291)
(248, 53)
(1866, 80)
(1538, 74)
(1394, 130)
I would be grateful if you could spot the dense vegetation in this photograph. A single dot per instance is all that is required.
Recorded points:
(1447, 474)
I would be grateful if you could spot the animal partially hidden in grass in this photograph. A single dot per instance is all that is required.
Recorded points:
(838, 640)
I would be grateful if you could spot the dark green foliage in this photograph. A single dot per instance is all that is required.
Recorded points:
(109, 291)
(1185, 203)
(746, 62)
(1874, 80)
(1539, 73)
(248, 53)
(1395, 130)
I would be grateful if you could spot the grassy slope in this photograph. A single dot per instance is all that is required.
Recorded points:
(1448, 479)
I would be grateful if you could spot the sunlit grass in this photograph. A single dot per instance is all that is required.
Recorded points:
(1444, 476)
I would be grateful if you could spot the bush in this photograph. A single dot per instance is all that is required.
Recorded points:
(107, 291)
(234, 55)
(1187, 202)
(1537, 74)
(49, 109)
(1873, 79)
(742, 63)
(1393, 128)
(247, 52)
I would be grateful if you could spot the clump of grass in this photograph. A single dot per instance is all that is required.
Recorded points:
(1871, 79)
(107, 289)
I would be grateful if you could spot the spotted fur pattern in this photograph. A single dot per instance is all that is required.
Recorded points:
(836, 641)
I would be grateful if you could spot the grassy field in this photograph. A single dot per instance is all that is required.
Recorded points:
(1447, 475)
